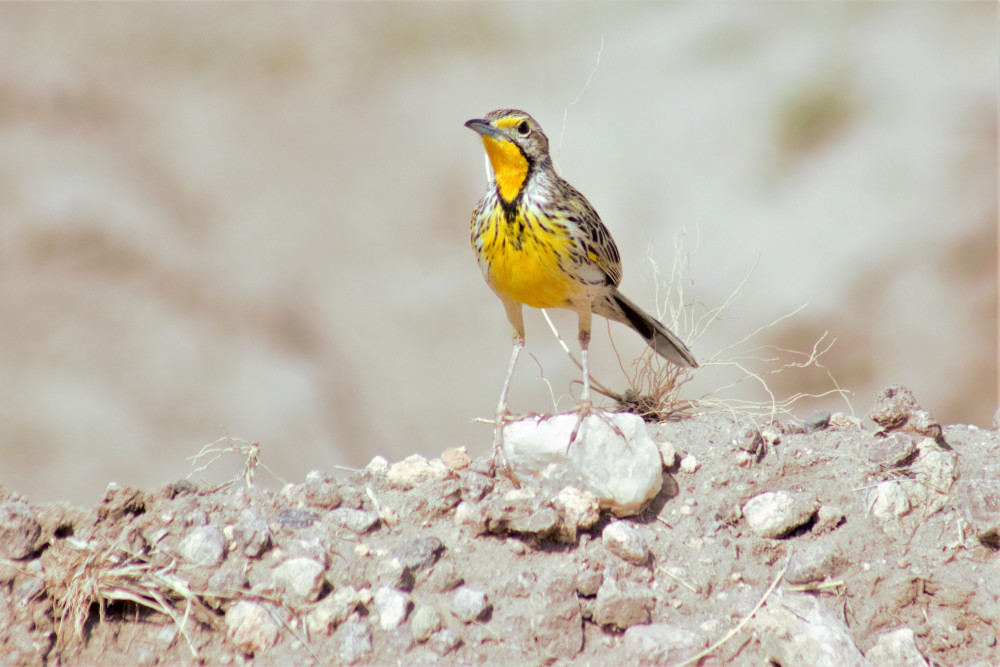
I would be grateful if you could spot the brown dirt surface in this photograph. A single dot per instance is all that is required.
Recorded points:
(767, 543)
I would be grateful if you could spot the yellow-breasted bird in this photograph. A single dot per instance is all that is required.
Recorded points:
(540, 243)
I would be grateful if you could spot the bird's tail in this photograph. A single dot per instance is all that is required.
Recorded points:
(616, 306)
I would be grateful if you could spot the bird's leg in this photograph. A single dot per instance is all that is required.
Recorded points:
(517, 322)
(585, 406)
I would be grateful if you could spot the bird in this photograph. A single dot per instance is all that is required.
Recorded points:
(540, 243)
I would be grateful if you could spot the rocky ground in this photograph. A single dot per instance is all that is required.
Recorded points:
(833, 542)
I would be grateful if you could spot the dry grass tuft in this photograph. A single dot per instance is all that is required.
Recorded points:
(82, 575)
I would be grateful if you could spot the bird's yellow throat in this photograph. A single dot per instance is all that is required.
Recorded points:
(510, 167)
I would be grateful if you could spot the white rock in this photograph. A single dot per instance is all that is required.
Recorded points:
(391, 606)
(777, 513)
(660, 643)
(377, 467)
(796, 630)
(299, 579)
(414, 470)
(252, 628)
(579, 509)
(628, 542)
(426, 621)
(622, 473)
(890, 501)
(205, 545)
(668, 453)
(469, 604)
(897, 648)
(690, 464)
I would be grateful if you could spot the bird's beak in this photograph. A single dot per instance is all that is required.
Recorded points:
(484, 128)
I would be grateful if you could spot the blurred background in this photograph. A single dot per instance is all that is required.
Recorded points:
(253, 220)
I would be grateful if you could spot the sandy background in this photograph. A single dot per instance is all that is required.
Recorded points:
(253, 220)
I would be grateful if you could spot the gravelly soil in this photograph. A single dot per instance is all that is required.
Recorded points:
(889, 525)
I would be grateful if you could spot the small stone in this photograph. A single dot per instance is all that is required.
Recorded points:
(996, 420)
(471, 515)
(251, 536)
(334, 609)
(354, 642)
(322, 490)
(356, 521)
(297, 519)
(814, 562)
(19, 530)
(896, 408)
(419, 554)
(935, 468)
(588, 582)
(827, 518)
(628, 542)
(778, 513)
(444, 641)
(750, 441)
(579, 510)
(444, 577)
(979, 500)
(618, 609)
(377, 467)
(889, 501)
(891, 451)
(660, 644)
(391, 606)
(394, 573)
(540, 523)
(897, 648)
(300, 580)
(204, 545)
(469, 604)
(414, 470)
(841, 422)
(456, 459)
(474, 486)
(668, 453)
(689, 464)
(817, 421)
(252, 628)
(425, 622)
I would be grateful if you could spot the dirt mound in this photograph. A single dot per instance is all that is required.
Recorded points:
(818, 543)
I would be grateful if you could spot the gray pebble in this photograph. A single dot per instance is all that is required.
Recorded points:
(356, 521)
(817, 421)
(204, 545)
(620, 609)
(252, 536)
(297, 519)
(419, 554)
(891, 451)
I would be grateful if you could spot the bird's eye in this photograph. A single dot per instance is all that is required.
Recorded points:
(524, 129)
